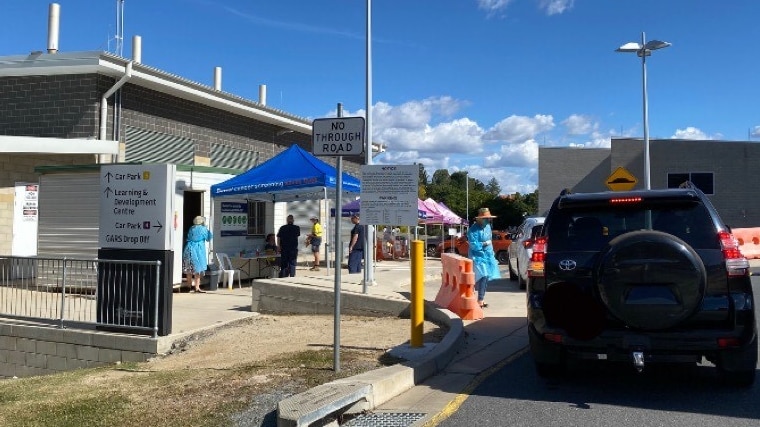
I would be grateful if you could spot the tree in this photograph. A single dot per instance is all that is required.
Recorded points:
(423, 175)
(423, 181)
(441, 177)
(493, 187)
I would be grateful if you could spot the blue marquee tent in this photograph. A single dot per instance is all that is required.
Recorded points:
(294, 174)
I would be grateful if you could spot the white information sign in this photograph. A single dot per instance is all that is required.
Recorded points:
(136, 207)
(389, 194)
(339, 136)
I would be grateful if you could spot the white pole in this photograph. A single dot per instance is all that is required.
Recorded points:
(467, 195)
(369, 247)
(646, 111)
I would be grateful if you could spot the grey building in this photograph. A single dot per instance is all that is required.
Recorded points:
(724, 170)
(82, 108)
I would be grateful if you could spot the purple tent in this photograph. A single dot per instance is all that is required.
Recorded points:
(441, 214)
(451, 214)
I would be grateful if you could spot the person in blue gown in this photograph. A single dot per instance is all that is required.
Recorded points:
(194, 256)
(481, 253)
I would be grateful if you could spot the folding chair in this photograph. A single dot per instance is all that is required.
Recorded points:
(228, 270)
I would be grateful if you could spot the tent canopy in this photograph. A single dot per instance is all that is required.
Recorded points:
(440, 214)
(294, 174)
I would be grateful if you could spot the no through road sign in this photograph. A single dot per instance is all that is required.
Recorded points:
(341, 136)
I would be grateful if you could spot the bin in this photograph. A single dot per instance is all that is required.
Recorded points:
(214, 277)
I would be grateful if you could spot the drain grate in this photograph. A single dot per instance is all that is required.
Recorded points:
(385, 419)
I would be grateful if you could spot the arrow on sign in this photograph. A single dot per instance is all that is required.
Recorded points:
(159, 226)
(108, 177)
(108, 192)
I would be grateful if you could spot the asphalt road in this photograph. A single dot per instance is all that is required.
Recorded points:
(609, 395)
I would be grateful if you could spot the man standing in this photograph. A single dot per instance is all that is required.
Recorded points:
(316, 240)
(356, 246)
(287, 242)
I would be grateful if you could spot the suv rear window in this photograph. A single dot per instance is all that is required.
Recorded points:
(590, 227)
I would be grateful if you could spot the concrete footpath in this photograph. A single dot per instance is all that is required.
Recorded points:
(418, 391)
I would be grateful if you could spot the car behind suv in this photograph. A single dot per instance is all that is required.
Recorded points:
(642, 277)
(500, 240)
(521, 249)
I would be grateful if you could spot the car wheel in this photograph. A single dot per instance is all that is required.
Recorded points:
(737, 366)
(743, 378)
(512, 275)
(550, 360)
(502, 257)
(651, 280)
(432, 252)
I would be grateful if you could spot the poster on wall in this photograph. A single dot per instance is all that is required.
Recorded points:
(25, 219)
(234, 219)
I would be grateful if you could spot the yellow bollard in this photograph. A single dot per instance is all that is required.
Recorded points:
(418, 293)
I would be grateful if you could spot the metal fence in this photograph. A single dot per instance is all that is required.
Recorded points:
(121, 295)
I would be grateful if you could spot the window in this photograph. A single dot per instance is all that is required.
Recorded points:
(256, 215)
(702, 180)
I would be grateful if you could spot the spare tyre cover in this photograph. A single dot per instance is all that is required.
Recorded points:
(651, 280)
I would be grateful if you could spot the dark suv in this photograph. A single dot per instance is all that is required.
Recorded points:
(643, 277)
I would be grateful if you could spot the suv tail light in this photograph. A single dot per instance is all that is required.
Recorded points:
(536, 266)
(736, 263)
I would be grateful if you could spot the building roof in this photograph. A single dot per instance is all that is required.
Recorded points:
(104, 63)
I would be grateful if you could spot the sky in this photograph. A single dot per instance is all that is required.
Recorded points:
(463, 85)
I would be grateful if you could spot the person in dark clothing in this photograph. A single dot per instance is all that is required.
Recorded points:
(356, 246)
(287, 242)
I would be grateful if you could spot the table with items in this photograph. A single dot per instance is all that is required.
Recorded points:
(257, 266)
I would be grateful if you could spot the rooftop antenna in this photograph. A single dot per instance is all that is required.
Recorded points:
(120, 27)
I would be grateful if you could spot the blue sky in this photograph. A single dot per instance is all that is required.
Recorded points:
(474, 85)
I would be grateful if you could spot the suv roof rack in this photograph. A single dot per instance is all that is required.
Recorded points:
(688, 184)
(565, 191)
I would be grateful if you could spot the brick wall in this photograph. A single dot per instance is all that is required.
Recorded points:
(49, 106)
(27, 350)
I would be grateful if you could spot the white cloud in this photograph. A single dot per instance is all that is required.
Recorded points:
(520, 128)
(555, 7)
(551, 7)
(755, 133)
(415, 114)
(523, 154)
(412, 157)
(577, 124)
(493, 6)
(690, 133)
(457, 136)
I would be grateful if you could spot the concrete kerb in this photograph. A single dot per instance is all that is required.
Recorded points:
(370, 389)
(366, 391)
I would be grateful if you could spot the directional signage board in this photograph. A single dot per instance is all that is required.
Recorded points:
(339, 136)
(136, 206)
(621, 180)
(389, 194)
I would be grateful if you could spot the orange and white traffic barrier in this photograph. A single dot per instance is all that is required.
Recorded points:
(749, 241)
(457, 292)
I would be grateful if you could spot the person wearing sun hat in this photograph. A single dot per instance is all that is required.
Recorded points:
(481, 253)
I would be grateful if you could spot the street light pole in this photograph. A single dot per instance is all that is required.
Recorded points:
(643, 50)
(467, 196)
(369, 235)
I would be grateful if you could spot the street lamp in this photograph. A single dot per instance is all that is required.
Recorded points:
(467, 196)
(643, 50)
